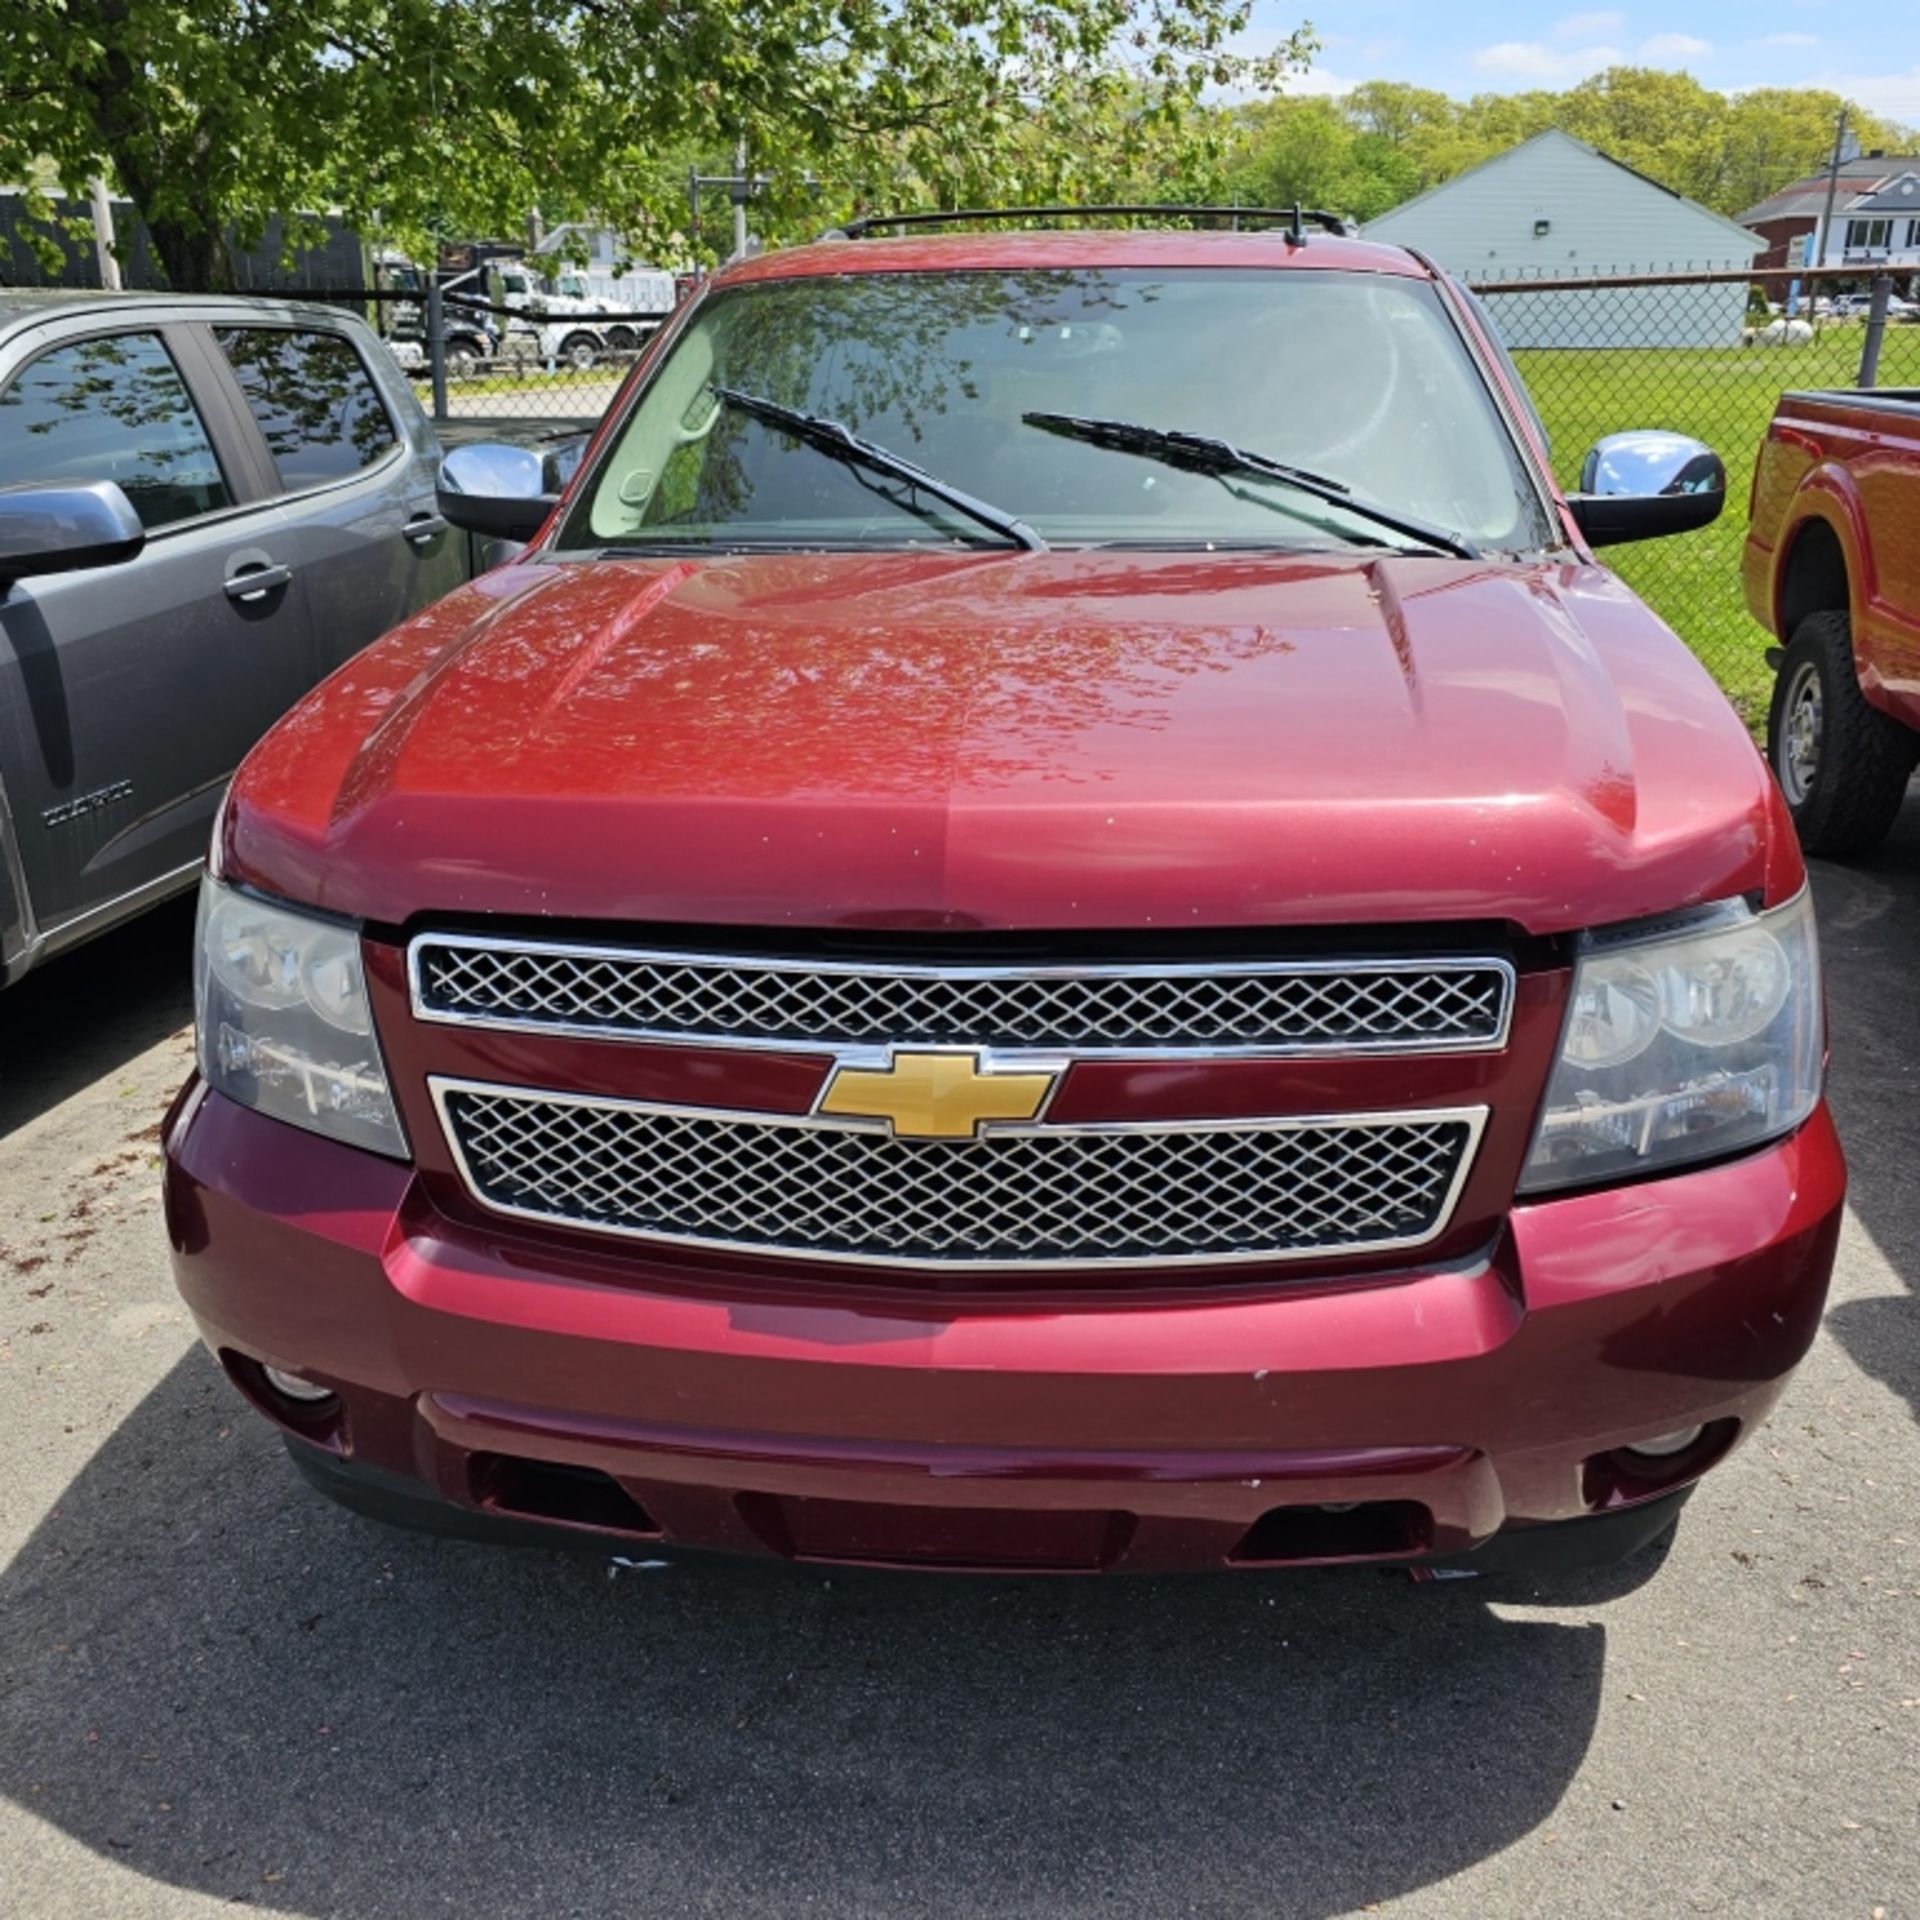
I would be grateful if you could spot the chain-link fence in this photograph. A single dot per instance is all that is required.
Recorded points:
(551, 368)
(484, 369)
(1707, 355)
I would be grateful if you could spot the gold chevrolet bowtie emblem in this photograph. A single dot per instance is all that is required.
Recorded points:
(936, 1096)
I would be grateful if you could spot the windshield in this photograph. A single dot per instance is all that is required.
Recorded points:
(1359, 377)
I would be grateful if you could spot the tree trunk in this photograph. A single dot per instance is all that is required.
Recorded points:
(120, 94)
(194, 259)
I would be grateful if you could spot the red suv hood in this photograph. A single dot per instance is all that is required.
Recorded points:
(1002, 740)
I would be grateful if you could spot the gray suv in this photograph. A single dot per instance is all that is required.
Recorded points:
(205, 506)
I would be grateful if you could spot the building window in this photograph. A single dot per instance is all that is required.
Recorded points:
(1913, 233)
(1865, 236)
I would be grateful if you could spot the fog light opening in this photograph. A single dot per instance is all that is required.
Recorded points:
(302, 1407)
(1656, 1465)
(1663, 1446)
(294, 1388)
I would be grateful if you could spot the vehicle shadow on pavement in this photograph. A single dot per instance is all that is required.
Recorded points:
(85, 1014)
(219, 1681)
(1869, 915)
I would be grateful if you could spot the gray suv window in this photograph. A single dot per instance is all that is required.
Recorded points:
(112, 408)
(314, 400)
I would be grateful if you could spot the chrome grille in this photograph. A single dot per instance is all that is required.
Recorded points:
(1018, 1196)
(1221, 1008)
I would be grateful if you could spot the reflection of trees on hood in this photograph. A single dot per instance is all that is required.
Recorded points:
(886, 675)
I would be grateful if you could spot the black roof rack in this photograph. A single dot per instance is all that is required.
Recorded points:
(1296, 219)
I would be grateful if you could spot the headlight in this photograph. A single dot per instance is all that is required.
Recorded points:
(284, 1027)
(1682, 1042)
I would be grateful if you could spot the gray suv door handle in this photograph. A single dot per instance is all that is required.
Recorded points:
(256, 580)
(421, 527)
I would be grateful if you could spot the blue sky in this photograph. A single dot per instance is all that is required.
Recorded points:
(1868, 50)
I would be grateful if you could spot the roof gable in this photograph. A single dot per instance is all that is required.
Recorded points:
(1382, 223)
(1901, 195)
(1809, 196)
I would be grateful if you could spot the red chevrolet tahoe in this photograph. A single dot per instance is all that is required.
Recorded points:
(1832, 566)
(1055, 921)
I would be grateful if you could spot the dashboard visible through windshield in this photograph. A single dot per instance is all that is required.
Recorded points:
(1359, 379)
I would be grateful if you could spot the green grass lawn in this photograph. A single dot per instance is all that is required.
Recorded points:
(1724, 396)
(531, 377)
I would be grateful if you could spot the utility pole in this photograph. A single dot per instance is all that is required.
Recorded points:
(741, 187)
(1833, 187)
(103, 235)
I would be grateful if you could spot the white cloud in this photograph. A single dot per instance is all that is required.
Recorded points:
(1319, 80)
(1534, 60)
(1674, 46)
(1788, 40)
(1893, 96)
(1377, 57)
(1579, 26)
(1255, 43)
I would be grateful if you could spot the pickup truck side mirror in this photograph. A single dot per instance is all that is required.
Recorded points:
(497, 491)
(1638, 486)
(63, 529)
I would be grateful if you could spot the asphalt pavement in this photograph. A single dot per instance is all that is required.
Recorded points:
(217, 1689)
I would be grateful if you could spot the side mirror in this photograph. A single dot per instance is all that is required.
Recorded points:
(63, 529)
(1638, 486)
(560, 460)
(497, 491)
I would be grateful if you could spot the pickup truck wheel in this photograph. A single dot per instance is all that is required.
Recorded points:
(1842, 764)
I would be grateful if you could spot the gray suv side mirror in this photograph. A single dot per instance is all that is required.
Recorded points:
(1638, 486)
(63, 529)
(494, 490)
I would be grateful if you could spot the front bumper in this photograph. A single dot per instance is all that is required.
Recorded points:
(1263, 1422)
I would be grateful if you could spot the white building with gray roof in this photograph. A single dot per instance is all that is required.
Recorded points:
(1555, 208)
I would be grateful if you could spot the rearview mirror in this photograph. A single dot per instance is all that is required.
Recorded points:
(1638, 486)
(63, 529)
(494, 490)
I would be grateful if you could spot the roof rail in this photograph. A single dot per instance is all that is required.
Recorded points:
(1296, 219)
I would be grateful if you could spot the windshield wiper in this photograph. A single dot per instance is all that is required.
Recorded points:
(1202, 453)
(842, 443)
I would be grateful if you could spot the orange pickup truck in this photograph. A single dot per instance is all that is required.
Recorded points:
(1832, 566)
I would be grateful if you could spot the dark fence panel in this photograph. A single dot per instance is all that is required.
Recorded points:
(20, 265)
(336, 262)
